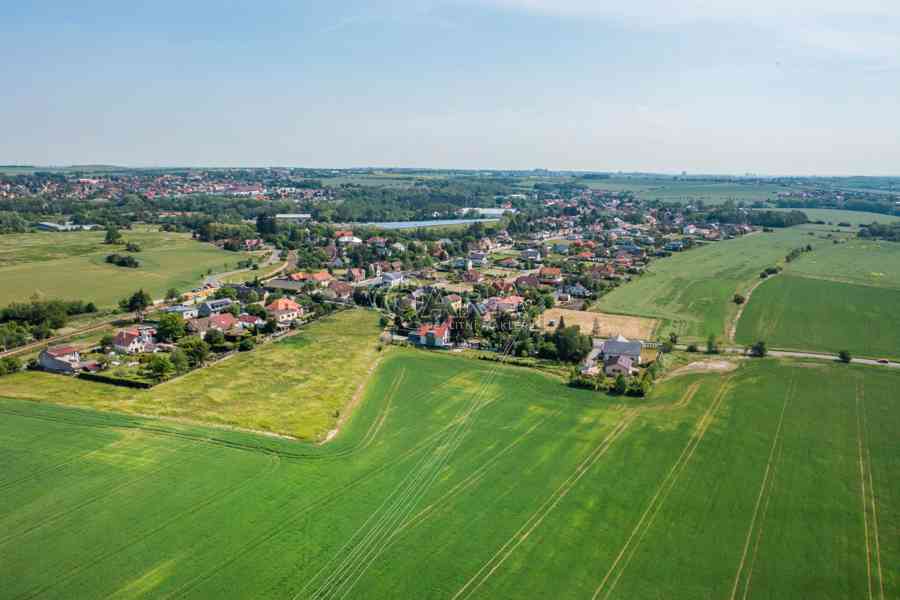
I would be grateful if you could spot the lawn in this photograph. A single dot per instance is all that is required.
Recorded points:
(817, 314)
(835, 216)
(71, 265)
(296, 386)
(461, 479)
(692, 291)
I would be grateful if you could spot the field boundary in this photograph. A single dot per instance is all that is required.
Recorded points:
(732, 328)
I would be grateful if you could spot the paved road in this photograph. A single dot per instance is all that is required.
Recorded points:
(815, 356)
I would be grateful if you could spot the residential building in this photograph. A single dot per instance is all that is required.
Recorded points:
(60, 359)
(436, 336)
(620, 346)
(214, 307)
(133, 340)
(284, 311)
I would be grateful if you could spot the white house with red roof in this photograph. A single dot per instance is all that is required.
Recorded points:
(133, 340)
(60, 359)
(284, 311)
(436, 336)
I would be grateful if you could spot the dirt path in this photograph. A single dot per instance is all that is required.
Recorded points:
(734, 323)
(354, 401)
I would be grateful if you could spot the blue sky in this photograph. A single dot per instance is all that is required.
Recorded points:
(710, 87)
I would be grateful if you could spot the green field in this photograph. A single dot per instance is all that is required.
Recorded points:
(815, 314)
(71, 266)
(834, 216)
(691, 291)
(296, 386)
(460, 479)
(856, 261)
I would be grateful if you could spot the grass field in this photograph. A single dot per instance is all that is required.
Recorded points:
(816, 314)
(457, 479)
(691, 291)
(71, 265)
(639, 328)
(296, 386)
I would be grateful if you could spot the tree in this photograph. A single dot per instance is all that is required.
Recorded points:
(246, 344)
(226, 292)
(170, 327)
(197, 350)
(621, 384)
(596, 331)
(107, 341)
(10, 365)
(712, 344)
(180, 360)
(673, 338)
(215, 338)
(739, 299)
(137, 302)
(160, 367)
(759, 349)
(113, 235)
(172, 295)
(844, 356)
(133, 247)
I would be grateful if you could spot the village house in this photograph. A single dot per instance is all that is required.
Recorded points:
(187, 312)
(436, 336)
(322, 278)
(392, 279)
(355, 275)
(284, 311)
(620, 346)
(454, 301)
(214, 307)
(223, 322)
(340, 289)
(532, 254)
(134, 340)
(60, 359)
(247, 321)
(550, 275)
(614, 366)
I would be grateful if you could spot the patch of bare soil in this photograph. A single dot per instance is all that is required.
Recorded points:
(705, 366)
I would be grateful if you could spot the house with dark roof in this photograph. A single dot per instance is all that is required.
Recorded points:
(620, 346)
(214, 307)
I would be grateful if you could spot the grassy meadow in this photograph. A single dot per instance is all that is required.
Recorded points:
(816, 314)
(296, 386)
(463, 479)
(691, 292)
(71, 265)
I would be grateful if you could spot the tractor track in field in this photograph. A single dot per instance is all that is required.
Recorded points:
(538, 516)
(665, 487)
(867, 492)
(762, 500)
(472, 479)
(87, 502)
(57, 467)
(206, 502)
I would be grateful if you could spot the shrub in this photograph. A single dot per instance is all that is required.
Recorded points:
(739, 299)
(693, 348)
(844, 356)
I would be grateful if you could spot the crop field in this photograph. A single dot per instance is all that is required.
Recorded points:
(688, 191)
(835, 216)
(297, 386)
(71, 266)
(691, 292)
(638, 328)
(874, 263)
(460, 479)
(816, 314)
